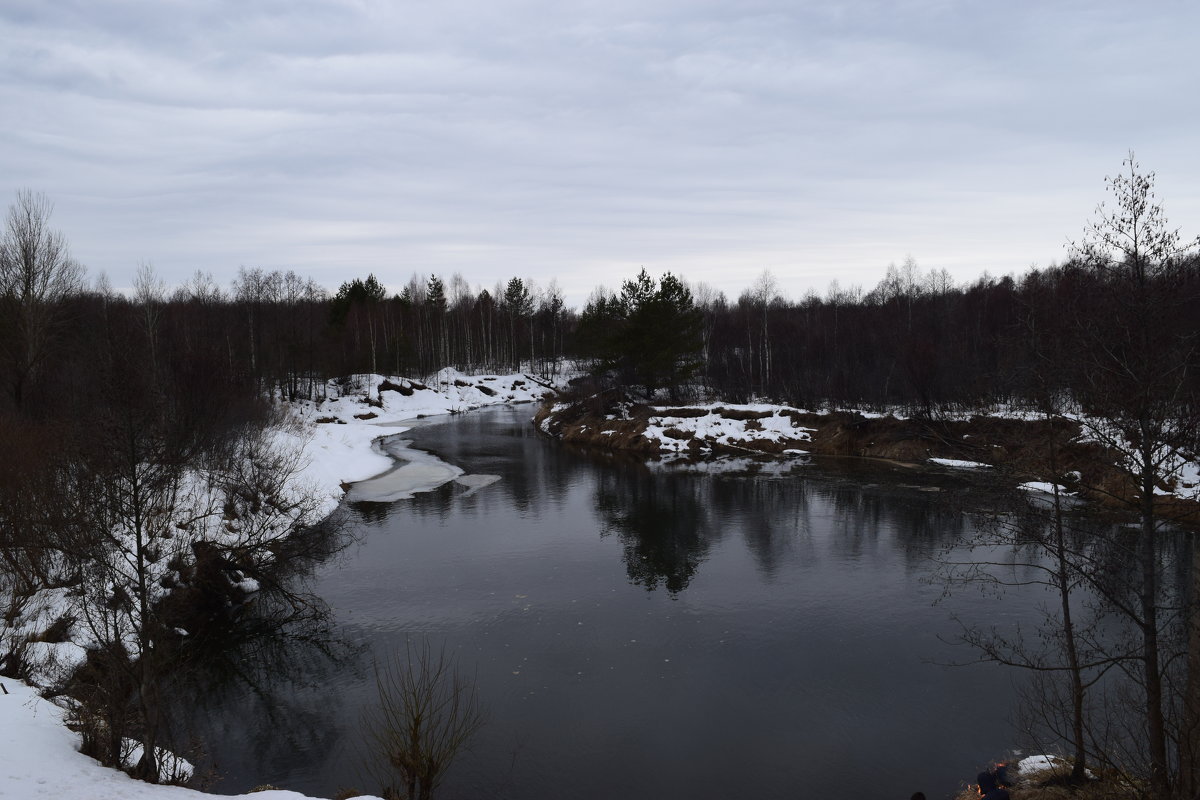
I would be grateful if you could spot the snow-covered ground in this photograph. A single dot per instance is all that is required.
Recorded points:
(727, 425)
(39, 759)
(335, 444)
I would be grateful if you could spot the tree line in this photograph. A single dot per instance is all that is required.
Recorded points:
(916, 341)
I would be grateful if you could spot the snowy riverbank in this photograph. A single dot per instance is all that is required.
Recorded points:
(1092, 458)
(336, 442)
(340, 434)
(39, 758)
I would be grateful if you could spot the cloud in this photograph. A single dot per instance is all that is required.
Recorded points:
(586, 139)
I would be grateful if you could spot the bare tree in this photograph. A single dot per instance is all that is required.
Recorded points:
(36, 274)
(428, 711)
(150, 293)
(1135, 340)
(1027, 542)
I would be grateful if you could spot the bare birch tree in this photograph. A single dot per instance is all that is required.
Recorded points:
(36, 274)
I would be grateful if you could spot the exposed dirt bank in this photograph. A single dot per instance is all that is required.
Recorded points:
(1050, 450)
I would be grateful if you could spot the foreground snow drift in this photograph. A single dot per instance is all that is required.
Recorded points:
(38, 759)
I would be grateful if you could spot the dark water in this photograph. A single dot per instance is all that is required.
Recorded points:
(653, 633)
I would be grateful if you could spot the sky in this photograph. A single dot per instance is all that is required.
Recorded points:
(582, 141)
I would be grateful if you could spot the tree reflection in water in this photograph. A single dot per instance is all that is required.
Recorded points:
(664, 528)
(248, 665)
(668, 516)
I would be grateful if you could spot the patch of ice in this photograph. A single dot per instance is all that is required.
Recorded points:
(474, 483)
(416, 471)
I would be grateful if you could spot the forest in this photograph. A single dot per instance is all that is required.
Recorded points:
(915, 342)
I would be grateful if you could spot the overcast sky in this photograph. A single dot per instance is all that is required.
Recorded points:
(582, 140)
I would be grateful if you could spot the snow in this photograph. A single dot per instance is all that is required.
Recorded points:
(1184, 477)
(958, 464)
(348, 438)
(1033, 764)
(715, 427)
(998, 410)
(171, 768)
(342, 451)
(1178, 468)
(39, 759)
(56, 662)
(1043, 487)
(1039, 764)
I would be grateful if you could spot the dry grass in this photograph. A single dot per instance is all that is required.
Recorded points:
(388, 386)
(741, 414)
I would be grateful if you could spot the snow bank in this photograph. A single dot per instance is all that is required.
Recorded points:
(726, 425)
(1039, 764)
(1028, 768)
(39, 759)
(959, 464)
(338, 433)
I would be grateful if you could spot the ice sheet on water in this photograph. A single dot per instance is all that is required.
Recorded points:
(417, 471)
(474, 483)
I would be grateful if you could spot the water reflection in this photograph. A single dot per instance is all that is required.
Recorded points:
(367, 511)
(667, 515)
(664, 527)
(259, 663)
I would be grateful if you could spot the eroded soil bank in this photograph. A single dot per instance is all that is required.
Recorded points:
(1022, 448)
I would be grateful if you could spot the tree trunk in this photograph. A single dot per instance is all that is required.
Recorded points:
(1160, 782)
(1189, 739)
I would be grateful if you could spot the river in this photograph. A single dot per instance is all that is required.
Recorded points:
(737, 629)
